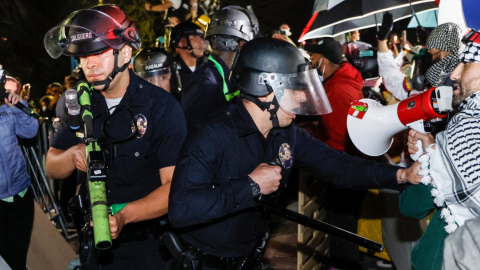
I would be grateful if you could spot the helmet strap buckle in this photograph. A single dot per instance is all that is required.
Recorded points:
(266, 106)
(112, 74)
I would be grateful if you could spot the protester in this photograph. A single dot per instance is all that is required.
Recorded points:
(16, 196)
(462, 250)
(449, 167)
(443, 46)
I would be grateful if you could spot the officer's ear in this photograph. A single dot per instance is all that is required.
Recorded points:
(126, 51)
(240, 44)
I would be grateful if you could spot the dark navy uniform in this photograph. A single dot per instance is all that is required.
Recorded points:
(134, 172)
(210, 189)
(183, 70)
(202, 94)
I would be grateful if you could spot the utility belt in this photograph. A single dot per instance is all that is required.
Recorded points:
(140, 231)
(187, 257)
(229, 263)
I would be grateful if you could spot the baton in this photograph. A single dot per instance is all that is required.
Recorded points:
(318, 225)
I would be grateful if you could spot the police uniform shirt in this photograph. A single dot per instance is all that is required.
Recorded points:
(184, 70)
(161, 132)
(202, 94)
(212, 197)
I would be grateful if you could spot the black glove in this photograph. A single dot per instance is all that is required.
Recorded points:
(422, 35)
(387, 25)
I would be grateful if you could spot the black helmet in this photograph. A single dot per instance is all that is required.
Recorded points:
(236, 22)
(92, 31)
(152, 62)
(184, 30)
(366, 63)
(363, 57)
(266, 65)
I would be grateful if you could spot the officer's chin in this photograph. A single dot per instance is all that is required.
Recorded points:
(99, 87)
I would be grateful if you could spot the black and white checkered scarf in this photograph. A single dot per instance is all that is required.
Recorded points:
(455, 164)
(471, 53)
(445, 37)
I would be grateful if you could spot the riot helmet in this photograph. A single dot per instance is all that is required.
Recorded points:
(153, 65)
(230, 25)
(363, 57)
(184, 30)
(202, 21)
(152, 62)
(365, 62)
(266, 65)
(92, 31)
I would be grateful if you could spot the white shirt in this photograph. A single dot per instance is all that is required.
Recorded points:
(176, 3)
(111, 102)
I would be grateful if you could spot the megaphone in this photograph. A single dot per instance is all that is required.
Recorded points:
(372, 126)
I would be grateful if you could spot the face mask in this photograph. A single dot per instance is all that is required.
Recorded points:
(323, 72)
(439, 71)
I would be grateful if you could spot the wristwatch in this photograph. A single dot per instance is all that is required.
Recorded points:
(255, 187)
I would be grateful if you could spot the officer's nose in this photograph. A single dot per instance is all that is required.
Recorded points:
(90, 61)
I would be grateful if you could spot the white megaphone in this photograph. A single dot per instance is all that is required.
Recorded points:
(371, 126)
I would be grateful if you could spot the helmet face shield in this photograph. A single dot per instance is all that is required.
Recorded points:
(299, 93)
(88, 32)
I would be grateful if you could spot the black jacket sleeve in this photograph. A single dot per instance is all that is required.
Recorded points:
(340, 169)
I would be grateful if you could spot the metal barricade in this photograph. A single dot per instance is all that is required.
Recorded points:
(35, 151)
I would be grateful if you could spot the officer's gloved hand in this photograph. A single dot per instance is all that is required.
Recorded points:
(386, 27)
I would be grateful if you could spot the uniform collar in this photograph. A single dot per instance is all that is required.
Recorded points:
(245, 124)
(130, 98)
(217, 58)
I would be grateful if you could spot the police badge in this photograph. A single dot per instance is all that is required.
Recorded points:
(285, 155)
(141, 125)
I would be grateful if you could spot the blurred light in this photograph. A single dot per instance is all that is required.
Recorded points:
(4, 38)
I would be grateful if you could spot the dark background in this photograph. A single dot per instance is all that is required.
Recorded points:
(23, 24)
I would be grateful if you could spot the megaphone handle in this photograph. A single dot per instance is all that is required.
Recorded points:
(419, 152)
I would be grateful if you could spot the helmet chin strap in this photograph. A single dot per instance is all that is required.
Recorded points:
(115, 71)
(266, 105)
(189, 47)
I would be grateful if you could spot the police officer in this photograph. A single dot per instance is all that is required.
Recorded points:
(209, 86)
(133, 119)
(188, 41)
(223, 165)
(154, 66)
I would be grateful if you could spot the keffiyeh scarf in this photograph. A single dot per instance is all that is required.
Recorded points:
(454, 166)
(445, 37)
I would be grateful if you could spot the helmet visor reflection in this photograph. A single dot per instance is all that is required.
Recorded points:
(299, 93)
(99, 28)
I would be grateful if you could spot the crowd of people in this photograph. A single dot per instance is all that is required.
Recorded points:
(197, 130)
